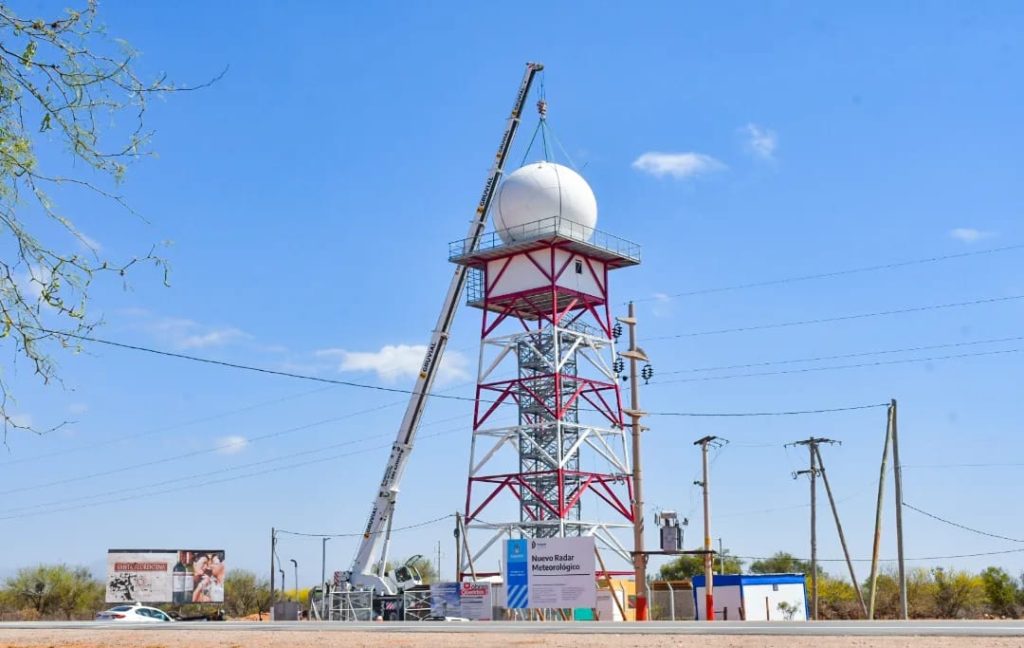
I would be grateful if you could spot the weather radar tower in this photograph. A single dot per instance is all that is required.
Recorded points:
(559, 465)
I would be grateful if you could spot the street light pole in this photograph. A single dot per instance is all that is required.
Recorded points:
(294, 562)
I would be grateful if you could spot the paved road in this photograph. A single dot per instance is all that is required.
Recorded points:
(776, 628)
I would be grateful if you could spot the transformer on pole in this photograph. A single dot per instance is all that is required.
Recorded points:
(561, 467)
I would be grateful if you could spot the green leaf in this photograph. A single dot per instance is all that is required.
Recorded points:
(29, 54)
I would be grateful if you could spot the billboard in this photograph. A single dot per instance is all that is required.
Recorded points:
(445, 599)
(165, 576)
(468, 600)
(550, 573)
(475, 601)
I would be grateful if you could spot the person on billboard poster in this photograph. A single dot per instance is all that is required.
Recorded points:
(208, 577)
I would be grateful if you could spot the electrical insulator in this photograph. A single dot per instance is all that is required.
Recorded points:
(646, 373)
(618, 366)
(617, 331)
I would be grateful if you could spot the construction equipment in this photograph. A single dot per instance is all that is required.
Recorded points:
(369, 568)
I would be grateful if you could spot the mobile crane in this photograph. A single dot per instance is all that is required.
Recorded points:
(369, 568)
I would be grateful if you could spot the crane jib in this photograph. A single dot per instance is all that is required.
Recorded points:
(377, 533)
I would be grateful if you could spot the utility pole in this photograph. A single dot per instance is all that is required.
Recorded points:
(458, 547)
(273, 577)
(709, 589)
(812, 447)
(898, 475)
(878, 514)
(323, 575)
(635, 354)
(439, 561)
(842, 536)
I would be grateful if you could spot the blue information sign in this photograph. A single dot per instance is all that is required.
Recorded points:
(517, 578)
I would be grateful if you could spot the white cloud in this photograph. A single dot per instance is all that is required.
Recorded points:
(969, 234)
(761, 141)
(395, 361)
(662, 306)
(184, 333)
(678, 165)
(232, 444)
(211, 338)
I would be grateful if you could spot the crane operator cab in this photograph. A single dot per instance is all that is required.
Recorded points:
(407, 575)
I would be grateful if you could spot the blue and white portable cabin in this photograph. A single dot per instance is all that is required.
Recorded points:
(754, 597)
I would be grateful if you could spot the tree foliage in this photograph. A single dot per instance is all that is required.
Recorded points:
(245, 594)
(1001, 592)
(688, 566)
(55, 590)
(781, 563)
(72, 117)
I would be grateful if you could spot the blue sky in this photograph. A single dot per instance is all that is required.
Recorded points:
(310, 195)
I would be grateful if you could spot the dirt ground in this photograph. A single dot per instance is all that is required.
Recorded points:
(300, 639)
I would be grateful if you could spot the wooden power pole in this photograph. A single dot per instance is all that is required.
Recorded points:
(898, 478)
(839, 529)
(876, 546)
(813, 472)
(635, 355)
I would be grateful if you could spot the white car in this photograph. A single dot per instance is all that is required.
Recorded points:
(133, 614)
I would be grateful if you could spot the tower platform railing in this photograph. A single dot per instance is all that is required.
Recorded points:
(545, 230)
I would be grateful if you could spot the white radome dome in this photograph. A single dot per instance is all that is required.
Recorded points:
(548, 192)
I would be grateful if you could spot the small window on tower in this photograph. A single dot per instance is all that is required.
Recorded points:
(579, 267)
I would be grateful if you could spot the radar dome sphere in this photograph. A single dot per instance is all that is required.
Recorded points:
(542, 198)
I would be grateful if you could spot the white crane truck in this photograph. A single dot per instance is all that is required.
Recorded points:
(369, 568)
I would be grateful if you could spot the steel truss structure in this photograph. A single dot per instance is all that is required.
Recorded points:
(568, 444)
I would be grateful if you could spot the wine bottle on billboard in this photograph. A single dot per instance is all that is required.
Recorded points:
(181, 592)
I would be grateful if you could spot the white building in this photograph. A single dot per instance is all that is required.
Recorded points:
(753, 597)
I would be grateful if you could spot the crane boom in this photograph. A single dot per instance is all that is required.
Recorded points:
(376, 537)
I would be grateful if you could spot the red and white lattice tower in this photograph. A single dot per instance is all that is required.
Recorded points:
(561, 468)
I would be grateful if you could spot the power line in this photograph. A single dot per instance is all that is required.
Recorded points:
(185, 487)
(861, 354)
(921, 558)
(195, 453)
(201, 484)
(360, 534)
(235, 365)
(879, 363)
(347, 383)
(233, 468)
(836, 273)
(840, 318)
(783, 413)
(167, 428)
(964, 465)
(960, 526)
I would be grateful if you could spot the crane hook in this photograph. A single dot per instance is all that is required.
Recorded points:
(542, 108)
